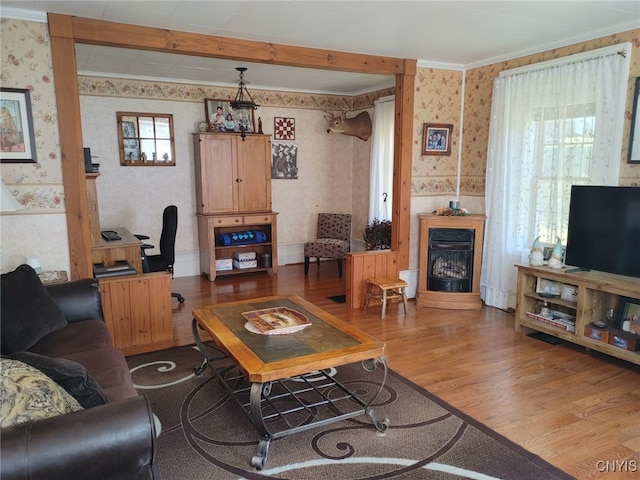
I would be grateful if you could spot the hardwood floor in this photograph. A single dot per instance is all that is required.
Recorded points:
(577, 409)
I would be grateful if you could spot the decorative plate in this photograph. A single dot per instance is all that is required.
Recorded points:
(203, 127)
(275, 321)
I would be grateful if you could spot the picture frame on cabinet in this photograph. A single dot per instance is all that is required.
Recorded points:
(629, 315)
(436, 139)
(634, 135)
(548, 287)
(221, 118)
(17, 139)
(569, 293)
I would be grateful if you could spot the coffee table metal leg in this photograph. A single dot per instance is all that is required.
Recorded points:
(203, 349)
(255, 415)
(369, 366)
(259, 460)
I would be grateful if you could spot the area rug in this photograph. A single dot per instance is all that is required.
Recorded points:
(205, 435)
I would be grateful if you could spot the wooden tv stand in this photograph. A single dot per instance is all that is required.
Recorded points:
(596, 292)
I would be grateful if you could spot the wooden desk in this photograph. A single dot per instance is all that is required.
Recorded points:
(127, 248)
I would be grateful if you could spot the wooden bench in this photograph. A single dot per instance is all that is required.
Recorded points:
(386, 289)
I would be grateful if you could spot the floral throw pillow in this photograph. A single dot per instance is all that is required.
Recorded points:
(27, 395)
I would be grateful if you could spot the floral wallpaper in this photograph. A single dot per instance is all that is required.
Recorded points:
(437, 100)
(26, 63)
(113, 87)
(477, 111)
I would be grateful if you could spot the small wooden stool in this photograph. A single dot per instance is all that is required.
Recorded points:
(385, 289)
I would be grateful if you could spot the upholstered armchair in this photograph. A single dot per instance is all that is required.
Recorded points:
(333, 240)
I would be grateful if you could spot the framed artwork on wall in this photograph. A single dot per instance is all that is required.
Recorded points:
(436, 139)
(634, 137)
(284, 160)
(17, 140)
(223, 119)
(284, 128)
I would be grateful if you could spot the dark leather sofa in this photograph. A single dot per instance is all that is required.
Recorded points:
(114, 440)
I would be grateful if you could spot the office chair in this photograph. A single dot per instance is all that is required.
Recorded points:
(164, 261)
(333, 240)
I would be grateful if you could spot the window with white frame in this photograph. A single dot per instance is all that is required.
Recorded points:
(553, 125)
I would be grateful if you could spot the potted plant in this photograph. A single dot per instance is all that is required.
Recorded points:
(377, 235)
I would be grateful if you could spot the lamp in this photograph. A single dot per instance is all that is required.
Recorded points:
(243, 105)
(8, 202)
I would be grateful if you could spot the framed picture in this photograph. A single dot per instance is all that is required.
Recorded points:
(222, 118)
(17, 140)
(284, 128)
(569, 293)
(131, 150)
(634, 136)
(128, 129)
(284, 160)
(548, 287)
(436, 139)
(630, 312)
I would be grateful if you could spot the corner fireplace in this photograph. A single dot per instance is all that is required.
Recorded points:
(450, 259)
(450, 256)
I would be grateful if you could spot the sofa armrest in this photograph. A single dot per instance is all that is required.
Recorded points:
(78, 299)
(112, 441)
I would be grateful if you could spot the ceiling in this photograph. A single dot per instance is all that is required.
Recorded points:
(443, 34)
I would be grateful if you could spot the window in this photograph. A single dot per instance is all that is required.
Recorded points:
(565, 141)
(553, 125)
(381, 169)
(146, 139)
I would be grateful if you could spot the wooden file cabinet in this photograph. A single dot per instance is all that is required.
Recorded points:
(137, 311)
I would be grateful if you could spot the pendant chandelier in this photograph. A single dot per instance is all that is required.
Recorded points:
(244, 105)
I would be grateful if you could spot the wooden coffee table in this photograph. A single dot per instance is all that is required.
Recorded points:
(285, 383)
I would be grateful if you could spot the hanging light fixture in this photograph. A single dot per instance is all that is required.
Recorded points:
(243, 104)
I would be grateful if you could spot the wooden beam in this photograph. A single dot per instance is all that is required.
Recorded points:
(71, 146)
(66, 30)
(100, 32)
(403, 148)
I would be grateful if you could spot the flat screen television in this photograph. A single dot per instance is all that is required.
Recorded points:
(604, 229)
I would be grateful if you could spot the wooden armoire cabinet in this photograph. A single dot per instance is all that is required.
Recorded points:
(233, 195)
(232, 175)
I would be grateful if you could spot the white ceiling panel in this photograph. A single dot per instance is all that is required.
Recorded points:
(458, 34)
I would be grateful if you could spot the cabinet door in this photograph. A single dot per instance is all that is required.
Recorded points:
(254, 172)
(216, 174)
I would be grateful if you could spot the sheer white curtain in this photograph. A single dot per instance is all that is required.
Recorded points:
(552, 125)
(381, 169)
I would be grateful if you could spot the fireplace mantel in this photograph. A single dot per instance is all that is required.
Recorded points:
(444, 299)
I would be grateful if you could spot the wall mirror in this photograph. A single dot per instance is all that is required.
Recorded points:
(146, 139)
